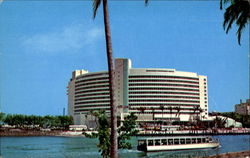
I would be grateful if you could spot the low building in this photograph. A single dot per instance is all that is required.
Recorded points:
(243, 108)
(77, 127)
(231, 122)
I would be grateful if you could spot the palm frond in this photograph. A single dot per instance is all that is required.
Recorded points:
(220, 4)
(223, 2)
(230, 15)
(238, 12)
(241, 22)
(96, 4)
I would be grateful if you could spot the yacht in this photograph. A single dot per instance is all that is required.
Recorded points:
(176, 143)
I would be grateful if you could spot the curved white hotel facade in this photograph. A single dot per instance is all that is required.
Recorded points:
(151, 93)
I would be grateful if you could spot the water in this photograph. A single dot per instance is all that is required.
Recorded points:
(80, 147)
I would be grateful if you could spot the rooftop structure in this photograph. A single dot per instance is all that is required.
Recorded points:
(243, 108)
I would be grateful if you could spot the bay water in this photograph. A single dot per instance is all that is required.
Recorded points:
(81, 147)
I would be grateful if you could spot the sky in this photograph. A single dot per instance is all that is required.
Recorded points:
(42, 42)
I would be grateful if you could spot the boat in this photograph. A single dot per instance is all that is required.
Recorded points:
(171, 143)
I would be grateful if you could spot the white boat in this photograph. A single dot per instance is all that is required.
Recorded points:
(176, 143)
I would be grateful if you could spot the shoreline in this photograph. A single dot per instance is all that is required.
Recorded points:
(18, 132)
(29, 133)
(190, 134)
(37, 133)
(238, 154)
(74, 134)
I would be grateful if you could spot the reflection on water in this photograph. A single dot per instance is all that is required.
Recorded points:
(180, 154)
(170, 154)
(74, 147)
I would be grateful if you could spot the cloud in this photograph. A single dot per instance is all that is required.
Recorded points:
(66, 39)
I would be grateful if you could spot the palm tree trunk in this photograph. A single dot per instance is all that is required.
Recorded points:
(114, 144)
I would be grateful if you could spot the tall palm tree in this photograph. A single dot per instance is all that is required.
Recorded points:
(113, 108)
(142, 109)
(178, 109)
(114, 143)
(239, 12)
(170, 108)
(162, 108)
(153, 112)
(196, 108)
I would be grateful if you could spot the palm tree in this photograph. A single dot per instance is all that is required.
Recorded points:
(114, 144)
(196, 108)
(153, 112)
(142, 109)
(96, 4)
(171, 110)
(162, 108)
(178, 109)
(95, 114)
(200, 110)
(238, 12)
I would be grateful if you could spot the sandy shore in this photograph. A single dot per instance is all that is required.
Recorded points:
(28, 133)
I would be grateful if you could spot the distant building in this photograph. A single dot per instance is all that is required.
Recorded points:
(151, 93)
(77, 127)
(229, 121)
(243, 108)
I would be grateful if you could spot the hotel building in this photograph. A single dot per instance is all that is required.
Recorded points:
(151, 93)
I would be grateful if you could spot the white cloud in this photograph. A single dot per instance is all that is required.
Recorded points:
(67, 39)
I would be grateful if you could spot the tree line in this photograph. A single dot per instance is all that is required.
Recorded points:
(126, 129)
(33, 121)
(244, 119)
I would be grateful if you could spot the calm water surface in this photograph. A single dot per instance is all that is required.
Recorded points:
(74, 147)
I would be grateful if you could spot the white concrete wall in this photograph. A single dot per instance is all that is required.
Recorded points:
(203, 86)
